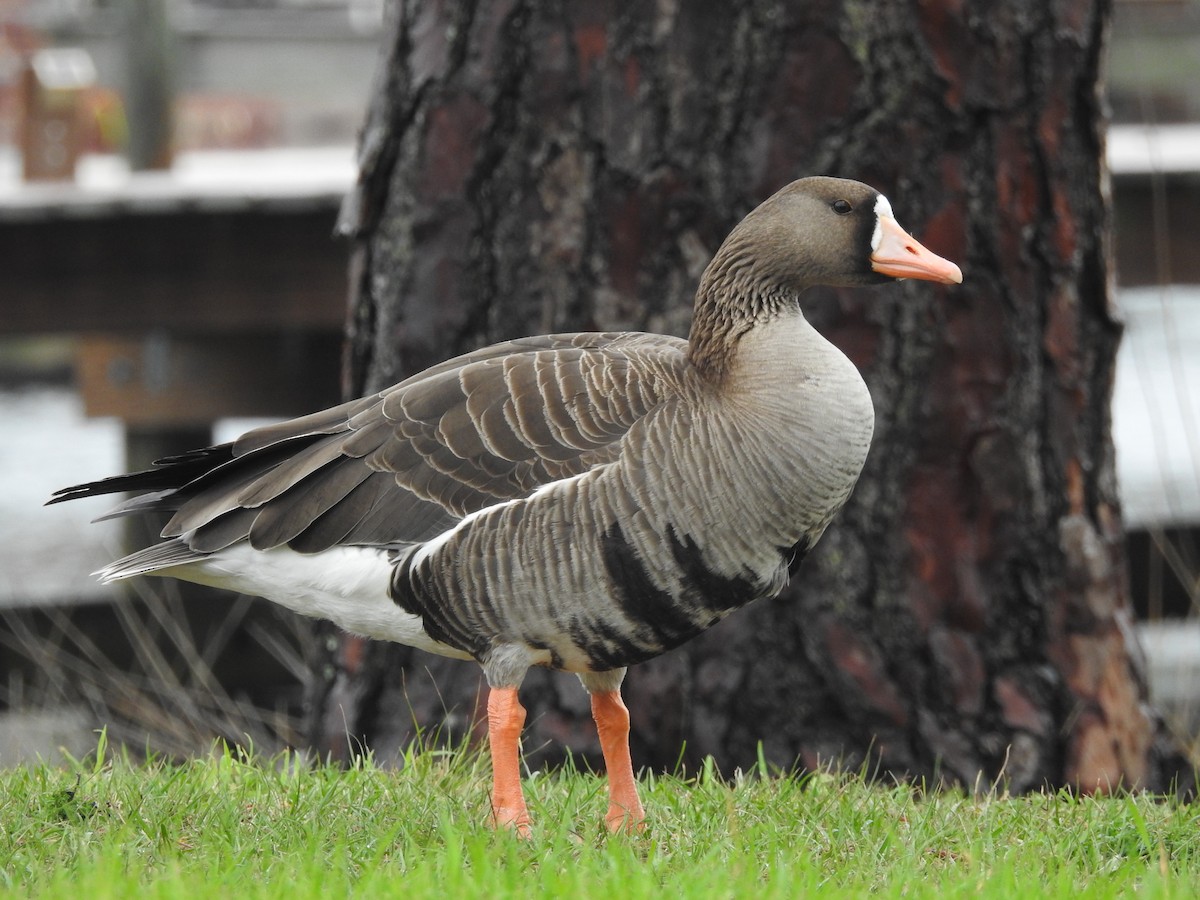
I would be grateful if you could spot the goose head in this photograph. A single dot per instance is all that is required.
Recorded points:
(829, 231)
(819, 230)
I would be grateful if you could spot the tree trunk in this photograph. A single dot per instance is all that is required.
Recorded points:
(534, 167)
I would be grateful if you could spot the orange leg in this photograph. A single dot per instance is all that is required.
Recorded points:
(612, 723)
(506, 717)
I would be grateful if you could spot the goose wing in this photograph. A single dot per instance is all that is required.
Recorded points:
(404, 465)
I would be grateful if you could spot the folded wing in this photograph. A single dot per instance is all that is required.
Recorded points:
(406, 464)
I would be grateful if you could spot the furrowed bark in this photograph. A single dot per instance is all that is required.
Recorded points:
(571, 166)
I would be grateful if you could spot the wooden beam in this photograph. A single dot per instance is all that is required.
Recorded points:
(171, 381)
(193, 270)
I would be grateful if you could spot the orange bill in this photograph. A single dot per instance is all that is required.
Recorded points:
(900, 255)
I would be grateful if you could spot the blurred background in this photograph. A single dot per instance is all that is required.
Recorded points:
(170, 177)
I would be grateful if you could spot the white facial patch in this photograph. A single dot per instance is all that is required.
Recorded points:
(882, 208)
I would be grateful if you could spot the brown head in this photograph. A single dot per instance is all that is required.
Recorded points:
(819, 230)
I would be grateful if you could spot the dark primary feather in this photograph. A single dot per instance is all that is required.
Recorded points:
(167, 474)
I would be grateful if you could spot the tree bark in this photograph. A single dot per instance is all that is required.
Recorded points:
(533, 167)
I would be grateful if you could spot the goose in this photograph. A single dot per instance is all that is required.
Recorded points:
(578, 501)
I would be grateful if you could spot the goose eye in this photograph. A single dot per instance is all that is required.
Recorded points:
(841, 207)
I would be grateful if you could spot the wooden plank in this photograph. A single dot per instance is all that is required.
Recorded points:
(161, 380)
(188, 271)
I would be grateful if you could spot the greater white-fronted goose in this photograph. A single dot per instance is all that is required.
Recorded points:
(577, 501)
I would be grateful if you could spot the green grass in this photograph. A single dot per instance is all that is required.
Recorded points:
(228, 826)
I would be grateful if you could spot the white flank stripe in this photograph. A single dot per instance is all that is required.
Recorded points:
(435, 543)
